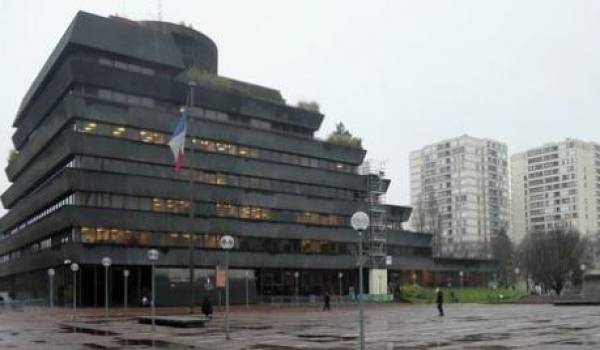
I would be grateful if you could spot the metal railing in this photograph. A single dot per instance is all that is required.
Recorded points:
(23, 305)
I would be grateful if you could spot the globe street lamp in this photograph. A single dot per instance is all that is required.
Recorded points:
(74, 268)
(106, 262)
(153, 255)
(51, 274)
(227, 242)
(461, 274)
(67, 262)
(360, 222)
(125, 276)
(340, 276)
(246, 274)
(517, 271)
(296, 275)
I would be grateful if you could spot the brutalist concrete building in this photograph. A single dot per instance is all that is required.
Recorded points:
(93, 176)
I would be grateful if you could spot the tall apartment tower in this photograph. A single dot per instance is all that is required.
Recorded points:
(556, 184)
(459, 191)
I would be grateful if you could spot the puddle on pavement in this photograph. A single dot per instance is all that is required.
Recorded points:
(100, 346)
(482, 337)
(284, 347)
(153, 344)
(257, 327)
(471, 318)
(571, 328)
(570, 341)
(92, 331)
(326, 338)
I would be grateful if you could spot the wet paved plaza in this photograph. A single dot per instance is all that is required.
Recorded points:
(466, 326)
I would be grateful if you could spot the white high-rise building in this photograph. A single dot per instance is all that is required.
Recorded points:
(556, 184)
(459, 192)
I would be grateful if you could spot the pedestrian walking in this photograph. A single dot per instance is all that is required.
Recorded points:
(207, 308)
(439, 298)
(327, 304)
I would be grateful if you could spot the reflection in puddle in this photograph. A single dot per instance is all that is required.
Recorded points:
(92, 331)
(153, 344)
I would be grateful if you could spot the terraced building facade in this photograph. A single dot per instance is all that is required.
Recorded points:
(94, 177)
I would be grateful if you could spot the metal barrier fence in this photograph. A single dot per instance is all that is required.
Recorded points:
(23, 305)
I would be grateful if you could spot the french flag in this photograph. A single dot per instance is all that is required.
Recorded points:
(177, 142)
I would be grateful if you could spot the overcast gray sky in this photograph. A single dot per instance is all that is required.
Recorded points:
(399, 74)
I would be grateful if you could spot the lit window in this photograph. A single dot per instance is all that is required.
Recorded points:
(89, 127)
(118, 131)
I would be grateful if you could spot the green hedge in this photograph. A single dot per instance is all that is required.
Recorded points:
(417, 294)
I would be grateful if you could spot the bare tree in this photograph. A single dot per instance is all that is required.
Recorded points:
(503, 252)
(433, 223)
(426, 217)
(551, 257)
(419, 216)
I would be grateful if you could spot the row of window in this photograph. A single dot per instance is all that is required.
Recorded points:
(68, 200)
(220, 209)
(99, 235)
(211, 177)
(177, 206)
(130, 67)
(135, 100)
(212, 146)
(38, 246)
(124, 237)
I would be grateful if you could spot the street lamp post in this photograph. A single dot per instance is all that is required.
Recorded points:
(227, 242)
(125, 295)
(106, 262)
(51, 273)
(517, 271)
(340, 276)
(153, 255)
(582, 267)
(247, 299)
(296, 275)
(461, 274)
(67, 263)
(74, 268)
(360, 222)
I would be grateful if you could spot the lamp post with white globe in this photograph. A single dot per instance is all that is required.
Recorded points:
(360, 222)
(74, 268)
(340, 276)
(125, 295)
(106, 262)
(51, 274)
(153, 257)
(227, 242)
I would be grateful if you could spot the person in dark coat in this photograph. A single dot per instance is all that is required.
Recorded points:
(439, 299)
(327, 305)
(207, 308)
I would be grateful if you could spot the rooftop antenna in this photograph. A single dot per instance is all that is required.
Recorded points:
(160, 10)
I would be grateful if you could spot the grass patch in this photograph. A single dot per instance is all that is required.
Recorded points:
(419, 295)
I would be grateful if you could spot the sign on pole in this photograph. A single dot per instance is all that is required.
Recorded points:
(220, 279)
